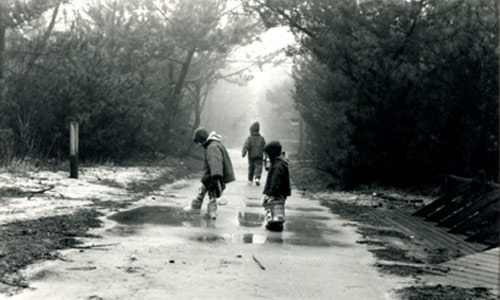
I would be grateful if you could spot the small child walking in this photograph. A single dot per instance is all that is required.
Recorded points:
(254, 146)
(277, 187)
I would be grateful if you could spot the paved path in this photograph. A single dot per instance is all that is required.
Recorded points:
(155, 251)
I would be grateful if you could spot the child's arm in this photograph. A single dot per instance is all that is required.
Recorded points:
(275, 178)
(245, 149)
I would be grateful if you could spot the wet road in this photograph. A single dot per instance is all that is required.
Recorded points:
(155, 251)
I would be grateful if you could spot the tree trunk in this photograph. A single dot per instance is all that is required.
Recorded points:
(197, 106)
(180, 82)
(2, 50)
(2, 45)
(41, 46)
(174, 97)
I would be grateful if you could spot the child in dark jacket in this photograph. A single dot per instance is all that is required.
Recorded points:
(254, 146)
(277, 187)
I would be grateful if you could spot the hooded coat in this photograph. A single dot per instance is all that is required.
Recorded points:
(217, 161)
(254, 145)
(278, 177)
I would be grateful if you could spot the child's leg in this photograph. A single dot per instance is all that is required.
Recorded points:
(258, 168)
(251, 168)
(212, 202)
(198, 201)
(212, 208)
(202, 191)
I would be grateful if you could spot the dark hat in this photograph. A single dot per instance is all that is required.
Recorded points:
(200, 135)
(255, 127)
(273, 149)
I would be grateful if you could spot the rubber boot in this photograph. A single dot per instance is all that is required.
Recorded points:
(275, 215)
(212, 209)
(195, 207)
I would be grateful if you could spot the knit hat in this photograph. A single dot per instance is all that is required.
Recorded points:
(255, 127)
(273, 149)
(200, 135)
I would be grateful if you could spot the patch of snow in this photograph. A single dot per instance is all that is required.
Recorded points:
(66, 195)
(16, 209)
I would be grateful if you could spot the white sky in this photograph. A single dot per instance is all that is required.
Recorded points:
(270, 75)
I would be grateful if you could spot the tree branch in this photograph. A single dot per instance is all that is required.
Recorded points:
(289, 19)
(45, 37)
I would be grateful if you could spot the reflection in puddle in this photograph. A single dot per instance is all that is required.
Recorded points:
(308, 232)
(252, 204)
(250, 238)
(307, 209)
(314, 217)
(248, 219)
(210, 238)
(269, 238)
(246, 238)
(298, 230)
(274, 240)
(163, 215)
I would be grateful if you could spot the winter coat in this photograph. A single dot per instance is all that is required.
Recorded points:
(254, 146)
(278, 178)
(217, 161)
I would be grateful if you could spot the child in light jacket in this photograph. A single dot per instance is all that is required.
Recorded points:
(218, 171)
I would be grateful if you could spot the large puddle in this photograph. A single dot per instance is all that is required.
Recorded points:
(159, 215)
(298, 230)
(285, 238)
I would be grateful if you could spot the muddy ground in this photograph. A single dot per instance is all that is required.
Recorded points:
(404, 257)
(24, 242)
(398, 253)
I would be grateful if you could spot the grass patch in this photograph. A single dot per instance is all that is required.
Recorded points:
(24, 242)
(11, 192)
(394, 254)
(372, 242)
(370, 231)
(352, 212)
(402, 270)
(446, 292)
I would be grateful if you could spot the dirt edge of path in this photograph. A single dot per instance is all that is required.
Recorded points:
(29, 241)
(396, 252)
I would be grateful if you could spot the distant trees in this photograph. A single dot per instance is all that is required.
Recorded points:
(396, 91)
(20, 20)
(134, 73)
(279, 117)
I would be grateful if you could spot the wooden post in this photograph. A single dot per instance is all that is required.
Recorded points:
(73, 148)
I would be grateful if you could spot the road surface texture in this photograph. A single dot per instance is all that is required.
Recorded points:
(155, 251)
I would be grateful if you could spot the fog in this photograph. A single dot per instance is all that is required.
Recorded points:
(265, 96)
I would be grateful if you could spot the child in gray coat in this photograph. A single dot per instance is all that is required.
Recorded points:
(218, 171)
